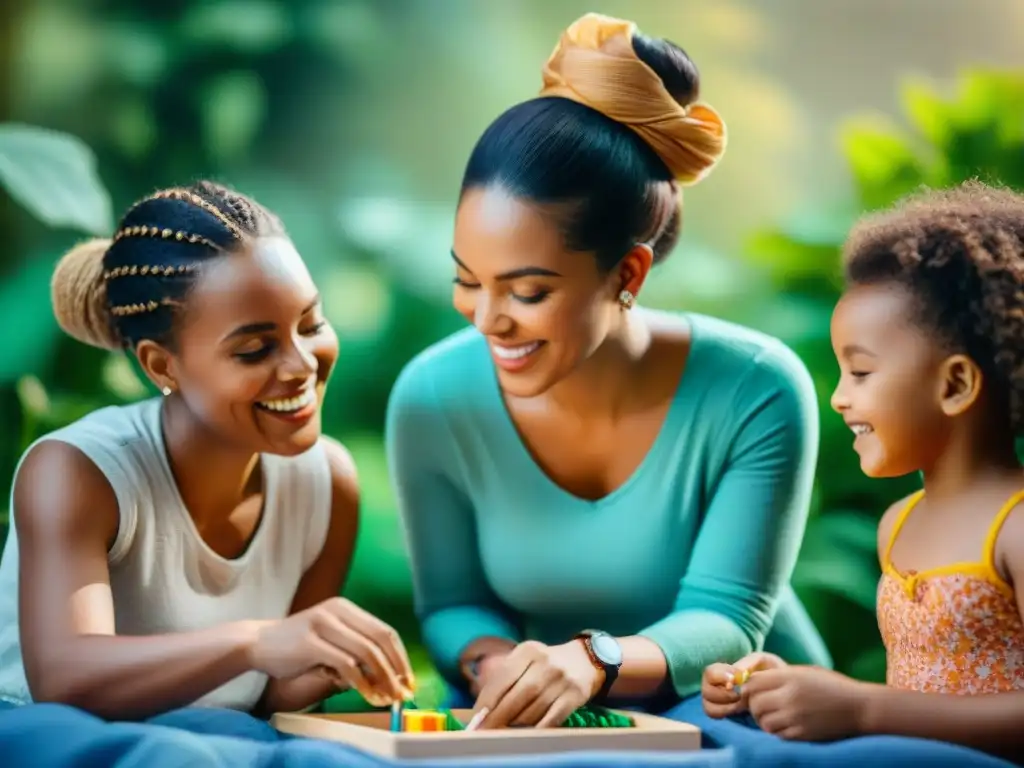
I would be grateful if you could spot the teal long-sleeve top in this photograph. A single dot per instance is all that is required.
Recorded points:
(695, 551)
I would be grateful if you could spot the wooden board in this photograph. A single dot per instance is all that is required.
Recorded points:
(369, 731)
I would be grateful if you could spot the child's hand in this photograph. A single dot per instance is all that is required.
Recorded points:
(807, 703)
(719, 691)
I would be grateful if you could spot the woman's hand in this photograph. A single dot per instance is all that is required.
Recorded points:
(807, 703)
(356, 649)
(539, 685)
(720, 693)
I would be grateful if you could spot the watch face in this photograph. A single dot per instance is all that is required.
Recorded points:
(607, 649)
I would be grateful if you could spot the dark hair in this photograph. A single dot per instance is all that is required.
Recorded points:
(115, 293)
(611, 189)
(960, 252)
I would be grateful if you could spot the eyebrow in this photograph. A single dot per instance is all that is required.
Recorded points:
(514, 274)
(266, 327)
(857, 349)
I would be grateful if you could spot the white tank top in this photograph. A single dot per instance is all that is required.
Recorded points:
(163, 577)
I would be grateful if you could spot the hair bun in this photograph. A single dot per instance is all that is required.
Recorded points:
(79, 295)
(595, 64)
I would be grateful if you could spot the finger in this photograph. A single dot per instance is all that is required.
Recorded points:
(719, 675)
(559, 712)
(527, 689)
(719, 711)
(792, 733)
(384, 637)
(535, 711)
(375, 668)
(760, 661)
(342, 667)
(762, 703)
(718, 695)
(500, 681)
(766, 680)
(773, 722)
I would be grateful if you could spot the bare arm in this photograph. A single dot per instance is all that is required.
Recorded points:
(324, 579)
(993, 723)
(66, 611)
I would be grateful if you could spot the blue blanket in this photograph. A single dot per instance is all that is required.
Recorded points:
(54, 735)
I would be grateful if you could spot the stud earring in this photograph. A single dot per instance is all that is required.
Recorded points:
(166, 391)
(626, 299)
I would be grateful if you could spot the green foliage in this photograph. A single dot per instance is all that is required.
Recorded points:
(54, 176)
(974, 133)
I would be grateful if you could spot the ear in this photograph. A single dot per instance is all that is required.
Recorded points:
(962, 380)
(158, 364)
(633, 269)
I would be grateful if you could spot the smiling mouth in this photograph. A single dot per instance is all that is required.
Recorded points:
(861, 428)
(290, 405)
(516, 353)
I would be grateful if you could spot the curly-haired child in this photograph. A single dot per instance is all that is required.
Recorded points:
(929, 335)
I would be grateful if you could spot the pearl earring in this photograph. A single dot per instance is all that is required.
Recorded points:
(166, 391)
(626, 299)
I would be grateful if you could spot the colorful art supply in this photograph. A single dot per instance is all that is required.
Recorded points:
(422, 720)
(396, 715)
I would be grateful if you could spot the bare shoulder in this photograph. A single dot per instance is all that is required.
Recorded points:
(80, 505)
(344, 477)
(1009, 555)
(888, 521)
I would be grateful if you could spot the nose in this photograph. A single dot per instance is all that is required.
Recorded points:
(487, 316)
(297, 363)
(839, 401)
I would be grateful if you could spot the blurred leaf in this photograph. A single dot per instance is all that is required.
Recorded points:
(138, 52)
(120, 378)
(883, 164)
(989, 98)
(838, 556)
(32, 396)
(869, 665)
(234, 106)
(928, 113)
(254, 26)
(54, 176)
(25, 306)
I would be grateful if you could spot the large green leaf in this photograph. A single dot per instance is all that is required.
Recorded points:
(54, 176)
(883, 162)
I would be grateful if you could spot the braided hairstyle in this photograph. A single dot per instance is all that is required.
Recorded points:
(113, 293)
(960, 252)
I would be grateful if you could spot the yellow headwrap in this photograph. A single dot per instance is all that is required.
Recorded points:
(594, 64)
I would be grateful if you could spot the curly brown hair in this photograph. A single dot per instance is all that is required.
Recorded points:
(960, 251)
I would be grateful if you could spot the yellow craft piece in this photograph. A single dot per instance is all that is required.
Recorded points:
(741, 677)
(421, 720)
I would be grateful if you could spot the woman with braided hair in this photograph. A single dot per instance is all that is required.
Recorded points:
(929, 336)
(190, 549)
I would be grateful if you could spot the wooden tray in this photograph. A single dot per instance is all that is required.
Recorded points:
(369, 731)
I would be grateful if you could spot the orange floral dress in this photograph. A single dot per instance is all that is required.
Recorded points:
(953, 629)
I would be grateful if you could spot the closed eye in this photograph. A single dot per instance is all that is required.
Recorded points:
(263, 352)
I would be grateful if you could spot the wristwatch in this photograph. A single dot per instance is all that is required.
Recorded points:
(606, 654)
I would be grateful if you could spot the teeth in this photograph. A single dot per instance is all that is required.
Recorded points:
(291, 403)
(861, 429)
(514, 353)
